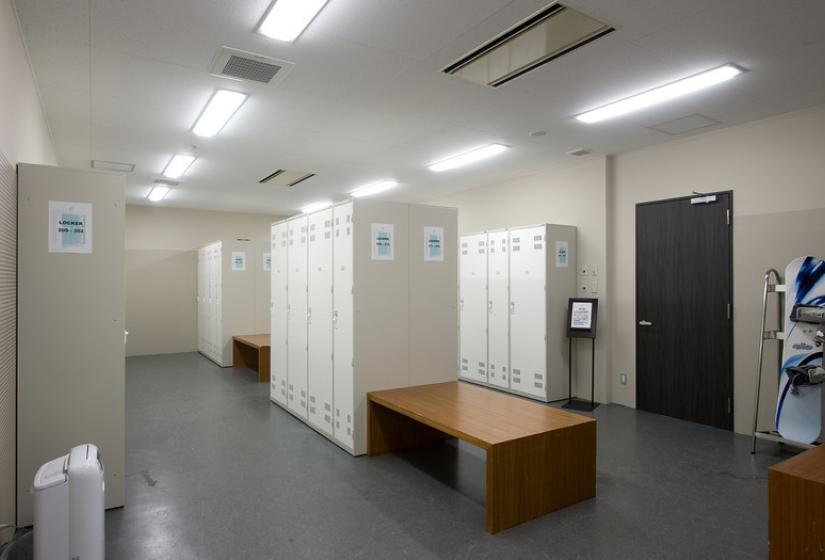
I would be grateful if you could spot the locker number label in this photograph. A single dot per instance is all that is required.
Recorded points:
(70, 227)
(562, 254)
(433, 244)
(238, 261)
(383, 240)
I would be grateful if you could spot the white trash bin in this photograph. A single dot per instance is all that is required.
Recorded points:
(69, 507)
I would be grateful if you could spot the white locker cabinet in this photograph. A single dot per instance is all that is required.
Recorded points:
(319, 321)
(367, 326)
(473, 307)
(297, 316)
(498, 308)
(531, 275)
(230, 295)
(278, 306)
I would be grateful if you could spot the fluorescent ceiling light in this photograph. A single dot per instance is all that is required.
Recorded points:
(287, 19)
(466, 158)
(374, 188)
(178, 165)
(662, 94)
(158, 193)
(218, 111)
(315, 206)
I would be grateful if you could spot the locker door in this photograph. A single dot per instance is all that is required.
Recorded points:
(342, 320)
(217, 316)
(472, 264)
(278, 336)
(199, 300)
(297, 317)
(528, 310)
(319, 317)
(498, 258)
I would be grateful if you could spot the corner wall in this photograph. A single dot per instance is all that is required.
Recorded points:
(161, 271)
(24, 137)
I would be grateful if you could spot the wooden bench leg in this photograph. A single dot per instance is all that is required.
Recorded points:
(263, 364)
(533, 476)
(388, 430)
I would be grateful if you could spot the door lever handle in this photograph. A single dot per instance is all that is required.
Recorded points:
(645, 323)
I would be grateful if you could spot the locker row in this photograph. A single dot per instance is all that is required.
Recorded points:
(514, 286)
(354, 290)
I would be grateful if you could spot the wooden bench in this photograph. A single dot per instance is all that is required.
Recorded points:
(539, 459)
(252, 351)
(796, 506)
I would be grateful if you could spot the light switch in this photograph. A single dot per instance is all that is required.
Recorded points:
(594, 269)
(594, 286)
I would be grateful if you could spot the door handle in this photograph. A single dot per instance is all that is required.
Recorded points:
(644, 323)
(512, 308)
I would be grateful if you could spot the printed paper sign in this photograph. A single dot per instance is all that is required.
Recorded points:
(581, 316)
(383, 239)
(433, 244)
(267, 262)
(70, 227)
(238, 261)
(562, 254)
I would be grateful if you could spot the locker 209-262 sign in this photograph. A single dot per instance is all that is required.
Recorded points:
(70, 227)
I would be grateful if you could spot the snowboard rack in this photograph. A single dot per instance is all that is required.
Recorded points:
(773, 285)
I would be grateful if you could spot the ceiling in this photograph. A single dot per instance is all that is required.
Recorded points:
(125, 80)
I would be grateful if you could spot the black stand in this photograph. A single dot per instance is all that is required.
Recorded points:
(577, 404)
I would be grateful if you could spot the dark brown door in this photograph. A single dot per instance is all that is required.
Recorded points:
(684, 326)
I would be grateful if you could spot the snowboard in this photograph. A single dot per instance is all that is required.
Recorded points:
(799, 406)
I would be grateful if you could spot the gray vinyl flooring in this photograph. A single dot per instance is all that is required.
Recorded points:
(214, 470)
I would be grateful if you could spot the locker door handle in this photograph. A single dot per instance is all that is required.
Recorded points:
(644, 323)
(513, 307)
(309, 315)
(334, 319)
(490, 306)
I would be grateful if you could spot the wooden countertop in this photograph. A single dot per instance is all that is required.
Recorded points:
(481, 416)
(808, 465)
(253, 340)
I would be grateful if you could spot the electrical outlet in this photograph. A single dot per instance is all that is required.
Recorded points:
(623, 378)
(583, 269)
(584, 288)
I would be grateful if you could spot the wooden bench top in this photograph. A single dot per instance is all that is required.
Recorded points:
(480, 416)
(808, 465)
(253, 340)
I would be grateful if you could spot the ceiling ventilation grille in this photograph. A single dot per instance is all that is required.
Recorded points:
(241, 65)
(546, 35)
(286, 178)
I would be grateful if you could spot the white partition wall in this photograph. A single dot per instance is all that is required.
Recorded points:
(529, 279)
(233, 284)
(358, 263)
(278, 307)
(297, 316)
(319, 321)
(473, 307)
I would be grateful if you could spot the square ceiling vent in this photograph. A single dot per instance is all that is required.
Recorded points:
(546, 35)
(235, 64)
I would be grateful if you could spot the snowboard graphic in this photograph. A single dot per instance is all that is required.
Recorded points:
(799, 407)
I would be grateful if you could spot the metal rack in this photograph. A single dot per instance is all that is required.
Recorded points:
(772, 285)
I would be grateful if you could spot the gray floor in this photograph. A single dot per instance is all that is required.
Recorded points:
(214, 470)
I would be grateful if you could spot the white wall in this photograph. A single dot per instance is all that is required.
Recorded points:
(574, 194)
(776, 170)
(161, 271)
(24, 137)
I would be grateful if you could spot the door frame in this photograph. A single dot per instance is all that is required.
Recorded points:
(730, 291)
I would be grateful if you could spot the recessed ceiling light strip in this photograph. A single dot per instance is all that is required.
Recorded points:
(220, 108)
(178, 165)
(374, 188)
(467, 158)
(287, 19)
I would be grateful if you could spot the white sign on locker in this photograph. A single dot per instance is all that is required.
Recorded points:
(383, 240)
(433, 243)
(70, 227)
(562, 254)
(238, 261)
(267, 262)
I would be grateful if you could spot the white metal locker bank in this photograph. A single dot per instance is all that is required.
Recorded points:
(363, 298)
(514, 288)
(233, 295)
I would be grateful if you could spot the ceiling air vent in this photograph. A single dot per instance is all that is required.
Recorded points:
(286, 178)
(241, 65)
(546, 35)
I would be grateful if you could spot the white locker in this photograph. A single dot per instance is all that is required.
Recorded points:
(230, 297)
(473, 307)
(498, 308)
(342, 321)
(528, 315)
(319, 321)
(278, 332)
(531, 274)
(297, 316)
(359, 288)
